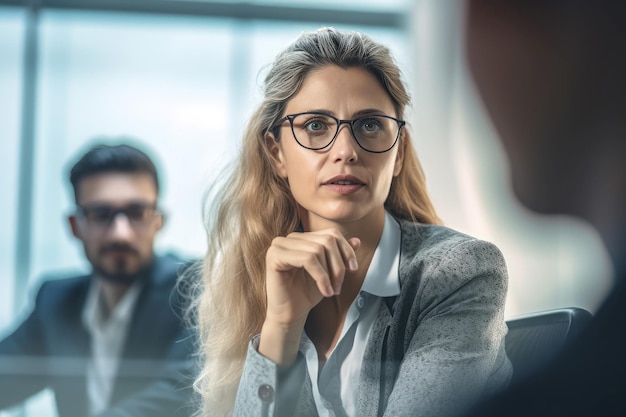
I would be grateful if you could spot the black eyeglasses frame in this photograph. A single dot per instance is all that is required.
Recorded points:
(290, 117)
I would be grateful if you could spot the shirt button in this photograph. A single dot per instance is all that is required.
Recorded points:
(360, 302)
(266, 393)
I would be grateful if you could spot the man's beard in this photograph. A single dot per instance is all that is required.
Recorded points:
(119, 274)
(123, 277)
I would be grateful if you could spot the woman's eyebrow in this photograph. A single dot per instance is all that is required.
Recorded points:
(363, 112)
(367, 112)
(325, 111)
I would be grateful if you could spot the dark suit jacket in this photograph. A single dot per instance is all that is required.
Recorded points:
(587, 379)
(51, 349)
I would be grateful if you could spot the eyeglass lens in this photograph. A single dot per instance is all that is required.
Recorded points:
(373, 133)
(102, 215)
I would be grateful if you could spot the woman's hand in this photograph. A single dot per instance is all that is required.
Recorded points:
(301, 269)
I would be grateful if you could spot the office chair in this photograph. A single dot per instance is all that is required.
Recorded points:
(533, 339)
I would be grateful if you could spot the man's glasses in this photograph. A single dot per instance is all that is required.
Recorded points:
(102, 215)
(317, 131)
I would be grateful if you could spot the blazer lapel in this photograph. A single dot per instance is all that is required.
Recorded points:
(374, 373)
(78, 334)
(144, 337)
(70, 385)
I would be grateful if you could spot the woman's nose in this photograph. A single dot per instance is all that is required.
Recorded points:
(344, 147)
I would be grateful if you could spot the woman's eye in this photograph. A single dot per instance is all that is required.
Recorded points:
(315, 125)
(370, 125)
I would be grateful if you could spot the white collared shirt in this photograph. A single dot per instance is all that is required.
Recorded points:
(335, 388)
(108, 334)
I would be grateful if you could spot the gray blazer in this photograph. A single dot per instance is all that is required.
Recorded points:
(434, 350)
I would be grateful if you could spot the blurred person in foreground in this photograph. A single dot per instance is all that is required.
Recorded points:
(552, 76)
(110, 343)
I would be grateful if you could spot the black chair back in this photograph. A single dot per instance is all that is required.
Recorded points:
(533, 339)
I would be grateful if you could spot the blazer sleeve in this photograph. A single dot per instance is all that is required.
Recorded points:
(267, 391)
(22, 360)
(456, 353)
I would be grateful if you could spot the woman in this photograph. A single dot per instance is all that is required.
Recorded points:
(328, 287)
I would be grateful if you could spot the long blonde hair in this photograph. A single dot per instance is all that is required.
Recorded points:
(254, 205)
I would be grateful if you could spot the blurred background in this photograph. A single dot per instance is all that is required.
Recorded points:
(182, 77)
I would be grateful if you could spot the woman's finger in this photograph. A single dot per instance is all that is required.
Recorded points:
(340, 255)
(325, 256)
(291, 253)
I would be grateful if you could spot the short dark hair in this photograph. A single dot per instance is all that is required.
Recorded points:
(103, 158)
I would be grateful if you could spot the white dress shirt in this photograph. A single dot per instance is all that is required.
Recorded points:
(108, 334)
(335, 385)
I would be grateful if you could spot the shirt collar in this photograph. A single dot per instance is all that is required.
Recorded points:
(382, 277)
(93, 311)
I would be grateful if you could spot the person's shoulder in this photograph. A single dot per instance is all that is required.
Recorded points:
(169, 267)
(438, 250)
(56, 288)
(62, 281)
(436, 240)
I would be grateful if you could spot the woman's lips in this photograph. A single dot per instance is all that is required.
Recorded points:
(344, 184)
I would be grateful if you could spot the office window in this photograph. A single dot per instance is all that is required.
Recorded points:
(164, 81)
(11, 50)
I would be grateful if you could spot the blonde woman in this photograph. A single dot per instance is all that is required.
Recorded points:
(329, 288)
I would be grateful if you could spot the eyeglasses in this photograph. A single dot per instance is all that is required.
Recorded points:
(101, 216)
(316, 130)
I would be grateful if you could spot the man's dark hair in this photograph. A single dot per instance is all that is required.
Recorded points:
(112, 158)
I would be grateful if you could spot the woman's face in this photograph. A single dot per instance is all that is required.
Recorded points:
(342, 183)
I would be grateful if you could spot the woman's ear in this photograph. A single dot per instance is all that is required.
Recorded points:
(400, 155)
(276, 154)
